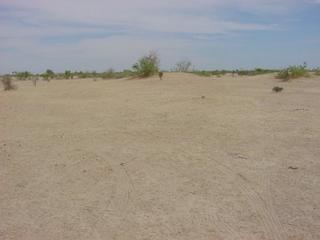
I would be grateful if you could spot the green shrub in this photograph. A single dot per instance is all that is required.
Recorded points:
(293, 72)
(147, 65)
(202, 73)
(82, 74)
(217, 73)
(108, 74)
(93, 74)
(68, 74)
(87, 74)
(111, 74)
(317, 71)
(49, 74)
(257, 71)
(23, 75)
(125, 74)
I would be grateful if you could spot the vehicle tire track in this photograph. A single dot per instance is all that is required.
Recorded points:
(268, 218)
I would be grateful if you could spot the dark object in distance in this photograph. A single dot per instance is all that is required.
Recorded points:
(160, 75)
(277, 89)
(293, 168)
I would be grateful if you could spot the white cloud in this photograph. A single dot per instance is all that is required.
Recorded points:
(166, 16)
(134, 27)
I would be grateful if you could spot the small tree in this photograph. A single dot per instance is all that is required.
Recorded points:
(183, 66)
(147, 65)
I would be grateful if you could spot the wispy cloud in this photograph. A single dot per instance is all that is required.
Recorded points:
(115, 31)
(175, 16)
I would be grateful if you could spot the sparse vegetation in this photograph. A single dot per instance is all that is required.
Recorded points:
(49, 74)
(108, 74)
(22, 75)
(7, 83)
(147, 65)
(183, 66)
(293, 72)
(257, 71)
(202, 73)
(317, 71)
(68, 74)
(111, 74)
(83, 74)
(125, 73)
(217, 73)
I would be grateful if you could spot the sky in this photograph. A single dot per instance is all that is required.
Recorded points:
(96, 35)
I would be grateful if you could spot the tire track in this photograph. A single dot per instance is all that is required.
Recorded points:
(268, 218)
(223, 228)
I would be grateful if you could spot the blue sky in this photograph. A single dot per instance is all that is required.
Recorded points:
(97, 35)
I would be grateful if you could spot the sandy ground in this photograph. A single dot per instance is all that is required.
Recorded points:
(150, 159)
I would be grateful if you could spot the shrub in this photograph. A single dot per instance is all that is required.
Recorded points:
(202, 73)
(147, 65)
(49, 74)
(317, 71)
(23, 75)
(86, 74)
(83, 74)
(7, 83)
(217, 73)
(126, 73)
(108, 74)
(111, 74)
(293, 72)
(284, 74)
(183, 66)
(68, 74)
(277, 89)
(93, 74)
(257, 71)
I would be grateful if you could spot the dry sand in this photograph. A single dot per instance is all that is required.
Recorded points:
(150, 159)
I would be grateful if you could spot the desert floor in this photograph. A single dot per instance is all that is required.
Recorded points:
(186, 158)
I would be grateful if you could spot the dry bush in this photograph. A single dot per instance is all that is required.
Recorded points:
(293, 72)
(147, 65)
(277, 89)
(160, 75)
(7, 83)
(183, 66)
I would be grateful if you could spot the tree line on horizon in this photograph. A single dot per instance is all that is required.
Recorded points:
(149, 65)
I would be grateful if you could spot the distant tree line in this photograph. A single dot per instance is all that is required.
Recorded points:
(149, 65)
